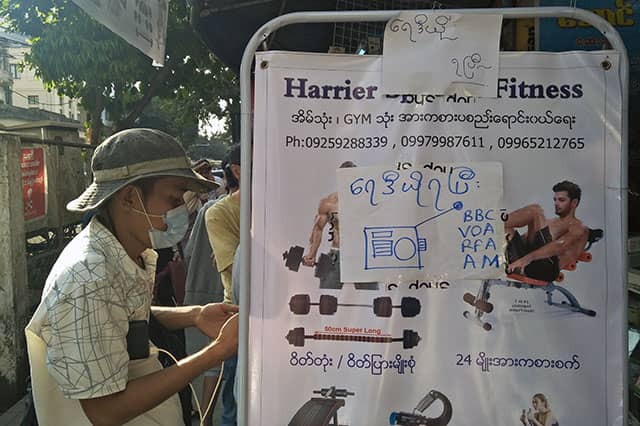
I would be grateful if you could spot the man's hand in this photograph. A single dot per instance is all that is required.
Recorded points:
(309, 260)
(227, 340)
(212, 317)
(517, 267)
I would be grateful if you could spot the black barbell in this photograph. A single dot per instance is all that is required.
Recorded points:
(300, 304)
(409, 338)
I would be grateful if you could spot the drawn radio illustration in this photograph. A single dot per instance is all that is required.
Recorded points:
(397, 247)
(393, 247)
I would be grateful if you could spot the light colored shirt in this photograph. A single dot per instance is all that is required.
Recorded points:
(236, 277)
(223, 227)
(76, 339)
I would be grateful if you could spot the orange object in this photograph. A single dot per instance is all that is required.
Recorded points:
(571, 267)
(585, 256)
(560, 277)
(526, 280)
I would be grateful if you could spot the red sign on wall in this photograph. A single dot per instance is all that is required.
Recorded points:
(34, 183)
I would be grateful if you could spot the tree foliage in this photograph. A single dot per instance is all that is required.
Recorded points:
(78, 57)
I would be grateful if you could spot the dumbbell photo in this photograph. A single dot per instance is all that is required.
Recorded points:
(293, 259)
(300, 304)
(409, 338)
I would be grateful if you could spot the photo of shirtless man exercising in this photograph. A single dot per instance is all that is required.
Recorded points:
(328, 214)
(550, 244)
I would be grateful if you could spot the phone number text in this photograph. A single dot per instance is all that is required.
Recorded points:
(438, 142)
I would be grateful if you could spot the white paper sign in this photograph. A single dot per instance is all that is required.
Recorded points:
(143, 24)
(441, 53)
(439, 221)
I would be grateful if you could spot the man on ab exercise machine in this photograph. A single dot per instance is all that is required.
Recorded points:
(549, 244)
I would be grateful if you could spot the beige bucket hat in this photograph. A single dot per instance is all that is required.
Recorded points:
(134, 154)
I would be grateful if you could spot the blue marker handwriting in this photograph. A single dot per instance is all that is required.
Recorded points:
(429, 190)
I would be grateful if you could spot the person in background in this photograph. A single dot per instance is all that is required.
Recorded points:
(223, 220)
(204, 285)
(204, 168)
(223, 227)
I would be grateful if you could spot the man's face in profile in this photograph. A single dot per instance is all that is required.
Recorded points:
(562, 203)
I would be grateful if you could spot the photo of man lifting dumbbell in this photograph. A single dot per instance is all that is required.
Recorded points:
(549, 245)
(330, 268)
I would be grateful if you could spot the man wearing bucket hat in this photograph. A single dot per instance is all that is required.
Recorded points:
(91, 360)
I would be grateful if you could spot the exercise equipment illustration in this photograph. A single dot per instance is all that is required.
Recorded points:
(322, 411)
(414, 419)
(482, 306)
(300, 304)
(297, 336)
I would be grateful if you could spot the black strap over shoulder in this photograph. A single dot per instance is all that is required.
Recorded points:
(138, 340)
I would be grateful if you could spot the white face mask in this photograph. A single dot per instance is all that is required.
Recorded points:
(177, 221)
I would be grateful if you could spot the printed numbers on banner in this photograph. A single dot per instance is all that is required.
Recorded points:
(462, 359)
(441, 141)
(537, 142)
(436, 142)
(484, 362)
(339, 143)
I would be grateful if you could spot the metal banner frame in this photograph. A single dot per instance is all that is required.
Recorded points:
(379, 16)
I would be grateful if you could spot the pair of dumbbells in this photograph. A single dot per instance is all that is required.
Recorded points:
(300, 304)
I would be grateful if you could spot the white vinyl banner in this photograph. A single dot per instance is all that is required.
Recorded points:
(436, 260)
(143, 24)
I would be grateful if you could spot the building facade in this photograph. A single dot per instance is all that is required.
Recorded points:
(5, 76)
(27, 91)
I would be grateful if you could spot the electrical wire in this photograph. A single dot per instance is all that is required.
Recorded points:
(38, 103)
(193, 391)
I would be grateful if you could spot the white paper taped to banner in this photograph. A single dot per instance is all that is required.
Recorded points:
(438, 53)
(437, 221)
(143, 24)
